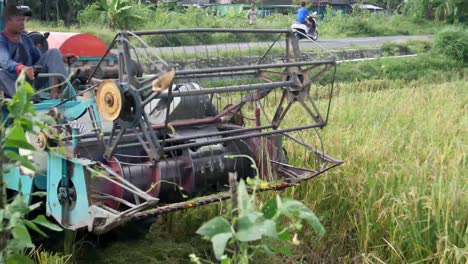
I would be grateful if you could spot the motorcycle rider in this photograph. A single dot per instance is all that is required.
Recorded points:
(302, 14)
(18, 53)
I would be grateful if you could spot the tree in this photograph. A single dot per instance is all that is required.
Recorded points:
(57, 10)
(119, 13)
(450, 11)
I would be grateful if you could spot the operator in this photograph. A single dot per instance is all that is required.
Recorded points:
(18, 53)
(302, 14)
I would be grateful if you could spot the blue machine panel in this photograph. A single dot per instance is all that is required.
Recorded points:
(58, 168)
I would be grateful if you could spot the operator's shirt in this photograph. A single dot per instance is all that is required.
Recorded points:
(302, 15)
(15, 55)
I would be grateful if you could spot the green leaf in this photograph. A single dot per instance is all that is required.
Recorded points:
(42, 220)
(225, 260)
(297, 209)
(19, 259)
(16, 137)
(21, 101)
(283, 234)
(266, 248)
(34, 227)
(268, 228)
(24, 161)
(219, 244)
(247, 229)
(104, 4)
(282, 250)
(313, 221)
(42, 121)
(269, 208)
(14, 218)
(22, 237)
(18, 205)
(46, 119)
(252, 227)
(125, 8)
(243, 200)
(217, 225)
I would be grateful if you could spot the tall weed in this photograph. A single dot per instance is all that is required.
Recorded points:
(365, 24)
(92, 15)
(453, 42)
(412, 68)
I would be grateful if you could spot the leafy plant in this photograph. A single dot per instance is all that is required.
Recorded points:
(119, 13)
(92, 15)
(42, 257)
(448, 10)
(453, 42)
(16, 225)
(20, 118)
(252, 225)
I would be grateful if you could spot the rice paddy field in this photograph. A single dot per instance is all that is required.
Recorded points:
(400, 196)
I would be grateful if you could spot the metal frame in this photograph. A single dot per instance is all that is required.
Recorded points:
(294, 90)
(291, 78)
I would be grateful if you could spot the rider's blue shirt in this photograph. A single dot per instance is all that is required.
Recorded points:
(302, 15)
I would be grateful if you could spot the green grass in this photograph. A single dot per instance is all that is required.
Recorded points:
(398, 198)
(375, 25)
(424, 66)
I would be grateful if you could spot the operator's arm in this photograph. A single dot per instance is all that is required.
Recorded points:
(6, 62)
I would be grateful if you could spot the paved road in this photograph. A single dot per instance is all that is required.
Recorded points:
(305, 44)
(367, 41)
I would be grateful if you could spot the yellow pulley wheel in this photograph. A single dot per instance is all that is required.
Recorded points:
(42, 140)
(109, 100)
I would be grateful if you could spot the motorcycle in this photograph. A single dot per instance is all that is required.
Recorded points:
(310, 30)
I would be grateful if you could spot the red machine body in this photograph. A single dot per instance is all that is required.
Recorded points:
(80, 44)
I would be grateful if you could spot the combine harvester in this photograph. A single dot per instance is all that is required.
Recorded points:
(157, 130)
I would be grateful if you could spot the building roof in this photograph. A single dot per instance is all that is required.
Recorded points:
(369, 7)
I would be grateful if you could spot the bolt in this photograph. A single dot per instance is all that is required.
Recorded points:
(109, 99)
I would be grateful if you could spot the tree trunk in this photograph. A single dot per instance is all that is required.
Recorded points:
(46, 10)
(69, 13)
(57, 9)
